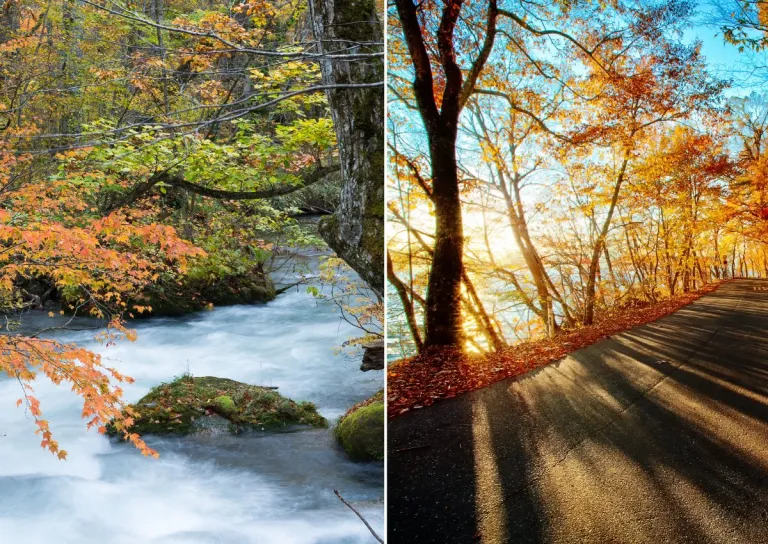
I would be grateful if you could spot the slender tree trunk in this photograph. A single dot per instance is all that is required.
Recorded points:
(671, 278)
(765, 263)
(639, 272)
(608, 262)
(10, 16)
(745, 262)
(689, 259)
(407, 302)
(718, 260)
(532, 260)
(594, 264)
(522, 236)
(701, 271)
(157, 15)
(540, 277)
(483, 318)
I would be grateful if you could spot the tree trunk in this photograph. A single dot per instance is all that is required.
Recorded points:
(765, 263)
(519, 226)
(443, 323)
(356, 230)
(10, 15)
(594, 264)
(536, 267)
(671, 278)
(718, 260)
(486, 323)
(407, 302)
(608, 262)
(443, 320)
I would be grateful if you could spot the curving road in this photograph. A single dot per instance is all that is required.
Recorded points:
(655, 435)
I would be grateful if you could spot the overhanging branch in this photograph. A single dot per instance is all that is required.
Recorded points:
(313, 177)
(177, 180)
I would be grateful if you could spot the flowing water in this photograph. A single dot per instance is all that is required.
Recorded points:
(251, 488)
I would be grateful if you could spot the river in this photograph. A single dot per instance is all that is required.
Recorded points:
(251, 488)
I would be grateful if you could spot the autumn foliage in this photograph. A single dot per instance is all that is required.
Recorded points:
(48, 231)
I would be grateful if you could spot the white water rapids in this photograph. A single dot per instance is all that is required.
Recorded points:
(252, 488)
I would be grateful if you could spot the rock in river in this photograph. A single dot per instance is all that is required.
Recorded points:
(189, 404)
(361, 431)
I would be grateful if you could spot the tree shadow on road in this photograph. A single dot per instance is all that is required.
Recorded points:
(658, 433)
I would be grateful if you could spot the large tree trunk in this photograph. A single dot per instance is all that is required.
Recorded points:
(356, 230)
(443, 316)
(443, 323)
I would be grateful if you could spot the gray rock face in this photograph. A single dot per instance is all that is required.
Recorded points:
(211, 425)
(373, 356)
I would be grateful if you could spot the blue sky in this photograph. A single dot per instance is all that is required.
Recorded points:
(724, 59)
(720, 56)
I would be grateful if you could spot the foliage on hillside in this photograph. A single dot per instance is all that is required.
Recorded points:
(444, 373)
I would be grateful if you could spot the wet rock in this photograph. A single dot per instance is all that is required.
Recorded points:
(189, 404)
(361, 431)
(168, 298)
(373, 356)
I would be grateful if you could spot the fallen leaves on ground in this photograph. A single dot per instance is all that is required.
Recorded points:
(444, 373)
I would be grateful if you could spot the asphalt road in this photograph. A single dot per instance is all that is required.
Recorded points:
(655, 435)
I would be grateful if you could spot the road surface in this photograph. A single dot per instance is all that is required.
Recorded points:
(655, 435)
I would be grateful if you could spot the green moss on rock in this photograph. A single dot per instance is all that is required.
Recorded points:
(181, 406)
(225, 405)
(361, 431)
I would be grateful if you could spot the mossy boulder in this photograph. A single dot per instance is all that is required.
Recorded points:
(361, 431)
(185, 405)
